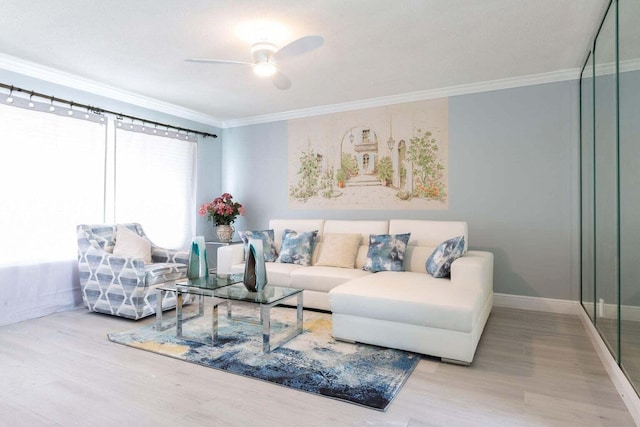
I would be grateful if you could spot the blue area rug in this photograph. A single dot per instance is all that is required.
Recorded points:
(313, 362)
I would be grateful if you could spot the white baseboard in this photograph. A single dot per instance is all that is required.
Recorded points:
(549, 305)
(610, 311)
(619, 379)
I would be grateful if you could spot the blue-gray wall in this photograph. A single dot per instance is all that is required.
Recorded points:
(512, 177)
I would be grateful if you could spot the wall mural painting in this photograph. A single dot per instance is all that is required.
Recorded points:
(393, 157)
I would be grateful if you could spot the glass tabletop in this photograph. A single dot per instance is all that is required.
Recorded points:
(231, 287)
(269, 295)
(206, 283)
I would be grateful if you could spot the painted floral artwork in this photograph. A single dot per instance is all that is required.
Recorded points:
(392, 157)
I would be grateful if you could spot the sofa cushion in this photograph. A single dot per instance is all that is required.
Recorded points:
(364, 227)
(386, 252)
(322, 278)
(278, 274)
(407, 297)
(415, 258)
(439, 262)
(268, 242)
(339, 249)
(280, 225)
(130, 245)
(429, 233)
(297, 248)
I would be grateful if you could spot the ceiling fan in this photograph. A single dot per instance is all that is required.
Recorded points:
(266, 57)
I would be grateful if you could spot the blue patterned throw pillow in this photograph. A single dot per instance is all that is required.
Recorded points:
(386, 252)
(439, 262)
(268, 242)
(297, 248)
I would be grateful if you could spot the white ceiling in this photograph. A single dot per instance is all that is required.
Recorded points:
(373, 48)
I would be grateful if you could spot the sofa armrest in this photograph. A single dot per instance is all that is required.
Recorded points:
(474, 270)
(228, 256)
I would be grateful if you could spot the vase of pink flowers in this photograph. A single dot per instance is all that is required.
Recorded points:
(222, 212)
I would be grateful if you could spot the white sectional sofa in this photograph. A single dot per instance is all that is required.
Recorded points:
(408, 310)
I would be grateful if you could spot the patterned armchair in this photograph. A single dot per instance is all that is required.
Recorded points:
(120, 286)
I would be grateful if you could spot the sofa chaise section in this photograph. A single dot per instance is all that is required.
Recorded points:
(409, 311)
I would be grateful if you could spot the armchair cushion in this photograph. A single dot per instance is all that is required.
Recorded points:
(130, 245)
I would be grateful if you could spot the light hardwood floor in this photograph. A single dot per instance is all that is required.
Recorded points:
(531, 369)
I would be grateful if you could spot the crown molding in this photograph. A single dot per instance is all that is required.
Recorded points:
(508, 83)
(52, 75)
(20, 66)
(625, 66)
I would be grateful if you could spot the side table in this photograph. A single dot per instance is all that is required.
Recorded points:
(213, 259)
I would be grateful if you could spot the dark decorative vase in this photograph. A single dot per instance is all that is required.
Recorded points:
(255, 273)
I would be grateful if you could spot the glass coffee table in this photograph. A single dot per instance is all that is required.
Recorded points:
(231, 289)
(198, 287)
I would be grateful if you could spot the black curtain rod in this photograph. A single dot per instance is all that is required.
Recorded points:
(98, 110)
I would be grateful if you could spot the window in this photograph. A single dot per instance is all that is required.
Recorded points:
(52, 175)
(154, 185)
(55, 175)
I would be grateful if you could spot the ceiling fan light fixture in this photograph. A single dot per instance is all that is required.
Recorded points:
(266, 57)
(264, 69)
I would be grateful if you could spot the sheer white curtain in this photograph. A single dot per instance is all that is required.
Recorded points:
(58, 171)
(51, 179)
(52, 172)
(155, 186)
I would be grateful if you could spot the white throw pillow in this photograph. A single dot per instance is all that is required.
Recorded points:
(339, 250)
(130, 245)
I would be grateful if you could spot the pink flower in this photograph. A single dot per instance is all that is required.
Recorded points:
(222, 210)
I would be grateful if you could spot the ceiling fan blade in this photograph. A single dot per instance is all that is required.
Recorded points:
(281, 81)
(216, 61)
(298, 47)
